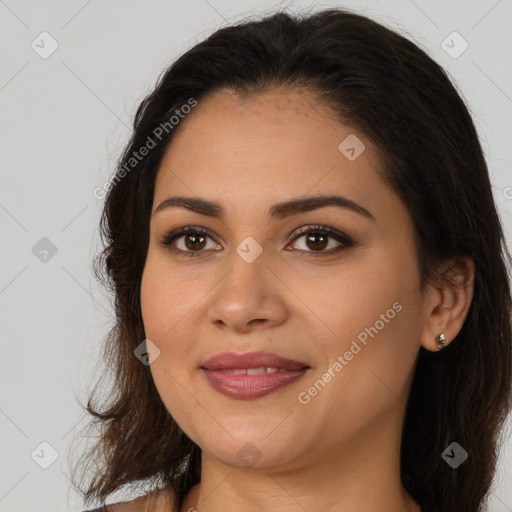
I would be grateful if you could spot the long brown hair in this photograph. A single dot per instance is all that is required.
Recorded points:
(392, 91)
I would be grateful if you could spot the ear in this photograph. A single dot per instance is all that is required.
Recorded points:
(447, 305)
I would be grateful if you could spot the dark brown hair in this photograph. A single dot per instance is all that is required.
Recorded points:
(392, 91)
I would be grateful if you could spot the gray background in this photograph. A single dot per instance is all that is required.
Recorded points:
(64, 121)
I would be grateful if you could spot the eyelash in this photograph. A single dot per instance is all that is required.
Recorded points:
(344, 240)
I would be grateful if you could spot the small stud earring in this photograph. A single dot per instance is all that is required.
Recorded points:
(440, 341)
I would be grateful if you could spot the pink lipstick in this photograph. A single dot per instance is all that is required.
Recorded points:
(252, 374)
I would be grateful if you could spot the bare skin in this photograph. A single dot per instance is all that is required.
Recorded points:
(339, 450)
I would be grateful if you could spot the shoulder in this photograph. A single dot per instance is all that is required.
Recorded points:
(158, 500)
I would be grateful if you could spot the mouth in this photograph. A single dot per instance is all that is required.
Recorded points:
(251, 375)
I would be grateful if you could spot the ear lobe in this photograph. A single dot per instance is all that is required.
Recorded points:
(448, 303)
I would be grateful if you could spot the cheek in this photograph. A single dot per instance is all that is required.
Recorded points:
(153, 303)
(164, 300)
(370, 314)
(346, 300)
(168, 302)
(164, 305)
(368, 374)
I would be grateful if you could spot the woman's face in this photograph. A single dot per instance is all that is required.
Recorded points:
(345, 304)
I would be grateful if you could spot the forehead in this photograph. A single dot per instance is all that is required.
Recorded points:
(245, 151)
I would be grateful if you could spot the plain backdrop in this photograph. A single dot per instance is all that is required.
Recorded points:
(65, 117)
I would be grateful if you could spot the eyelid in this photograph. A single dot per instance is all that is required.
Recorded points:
(334, 233)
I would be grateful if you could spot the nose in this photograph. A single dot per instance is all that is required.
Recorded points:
(248, 298)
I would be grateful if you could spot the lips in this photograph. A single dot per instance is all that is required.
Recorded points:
(251, 375)
(232, 361)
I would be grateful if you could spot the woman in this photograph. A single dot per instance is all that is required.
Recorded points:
(310, 276)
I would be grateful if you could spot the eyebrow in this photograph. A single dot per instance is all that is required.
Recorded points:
(277, 211)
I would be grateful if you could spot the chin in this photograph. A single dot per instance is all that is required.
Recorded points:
(245, 454)
(249, 448)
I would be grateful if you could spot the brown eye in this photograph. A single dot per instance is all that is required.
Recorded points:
(319, 238)
(317, 241)
(195, 241)
(188, 241)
